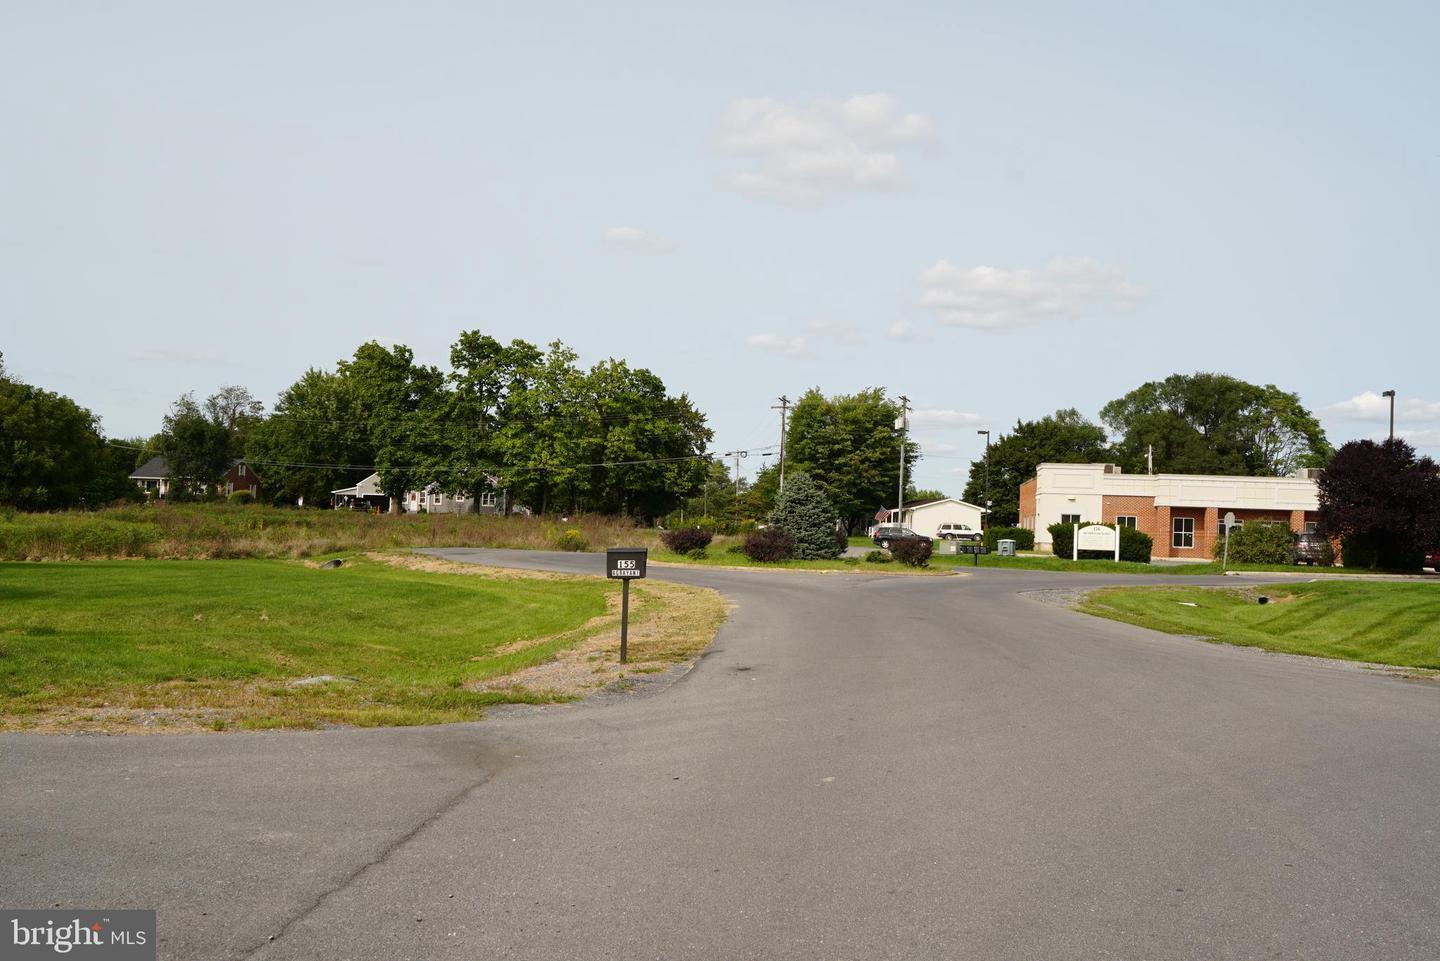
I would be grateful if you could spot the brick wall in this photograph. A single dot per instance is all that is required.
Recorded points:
(1028, 504)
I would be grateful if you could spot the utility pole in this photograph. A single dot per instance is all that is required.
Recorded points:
(1391, 395)
(902, 424)
(783, 407)
(737, 454)
(985, 518)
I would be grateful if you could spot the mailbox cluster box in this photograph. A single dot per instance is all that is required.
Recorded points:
(974, 549)
(625, 562)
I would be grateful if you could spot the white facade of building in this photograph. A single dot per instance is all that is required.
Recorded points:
(1080, 491)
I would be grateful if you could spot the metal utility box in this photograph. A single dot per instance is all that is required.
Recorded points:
(1006, 547)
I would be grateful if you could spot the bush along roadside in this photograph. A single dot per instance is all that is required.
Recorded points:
(769, 546)
(912, 553)
(1257, 544)
(1135, 546)
(687, 540)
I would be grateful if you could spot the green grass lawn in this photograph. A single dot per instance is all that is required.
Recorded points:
(1381, 622)
(227, 636)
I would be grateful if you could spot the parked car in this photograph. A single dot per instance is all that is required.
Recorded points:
(957, 532)
(1310, 548)
(887, 534)
(1432, 559)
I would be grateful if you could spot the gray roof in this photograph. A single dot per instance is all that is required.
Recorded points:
(155, 468)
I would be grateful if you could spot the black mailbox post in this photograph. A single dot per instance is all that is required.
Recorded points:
(625, 564)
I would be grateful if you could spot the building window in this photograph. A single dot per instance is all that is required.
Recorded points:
(242, 470)
(436, 498)
(1312, 527)
(1127, 520)
(414, 496)
(1069, 518)
(1182, 532)
(1234, 527)
(487, 499)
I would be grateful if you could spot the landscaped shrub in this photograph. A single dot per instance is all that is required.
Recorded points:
(878, 557)
(687, 539)
(914, 552)
(241, 497)
(1135, 546)
(802, 511)
(769, 545)
(736, 548)
(1257, 544)
(1023, 537)
(572, 540)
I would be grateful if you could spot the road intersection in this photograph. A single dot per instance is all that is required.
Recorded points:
(863, 766)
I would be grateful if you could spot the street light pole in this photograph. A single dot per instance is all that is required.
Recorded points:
(985, 518)
(1391, 395)
(902, 423)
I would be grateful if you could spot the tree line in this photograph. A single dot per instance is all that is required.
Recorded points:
(1199, 423)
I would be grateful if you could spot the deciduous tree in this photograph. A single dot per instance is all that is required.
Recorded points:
(1382, 501)
(1064, 437)
(849, 446)
(1215, 424)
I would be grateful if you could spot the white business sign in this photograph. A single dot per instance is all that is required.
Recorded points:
(1095, 538)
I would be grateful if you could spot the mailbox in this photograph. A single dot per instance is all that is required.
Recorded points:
(625, 563)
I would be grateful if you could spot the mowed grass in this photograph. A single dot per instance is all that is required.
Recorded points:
(220, 642)
(1379, 622)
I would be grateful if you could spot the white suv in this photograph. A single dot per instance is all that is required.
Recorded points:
(957, 532)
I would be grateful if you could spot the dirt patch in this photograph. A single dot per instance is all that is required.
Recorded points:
(669, 624)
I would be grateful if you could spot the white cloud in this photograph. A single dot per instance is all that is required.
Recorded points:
(156, 356)
(807, 152)
(633, 238)
(935, 448)
(938, 417)
(904, 330)
(989, 297)
(779, 344)
(1372, 406)
(1423, 439)
(839, 331)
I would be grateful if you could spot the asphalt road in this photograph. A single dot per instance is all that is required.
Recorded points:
(863, 767)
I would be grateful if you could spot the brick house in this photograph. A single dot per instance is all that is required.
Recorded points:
(1180, 512)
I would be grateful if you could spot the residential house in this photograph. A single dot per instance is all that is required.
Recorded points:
(925, 517)
(367, 495)
(153, 477)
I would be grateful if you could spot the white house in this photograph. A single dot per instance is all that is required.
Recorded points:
(367, 495)
(925, 517)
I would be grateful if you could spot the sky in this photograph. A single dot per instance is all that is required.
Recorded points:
(996, 210)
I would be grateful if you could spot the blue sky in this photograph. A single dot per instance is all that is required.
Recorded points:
(996, 209)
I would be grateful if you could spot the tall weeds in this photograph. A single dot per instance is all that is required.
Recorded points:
(198, 531)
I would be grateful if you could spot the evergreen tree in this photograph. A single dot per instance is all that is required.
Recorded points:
(803, 512)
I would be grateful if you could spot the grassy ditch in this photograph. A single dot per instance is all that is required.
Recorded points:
(185, 645)
(210, 531)
(1379, 622)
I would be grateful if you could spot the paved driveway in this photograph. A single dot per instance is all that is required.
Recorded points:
(863, 767)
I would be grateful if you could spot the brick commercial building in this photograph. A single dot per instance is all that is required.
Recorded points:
(1180, 512)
